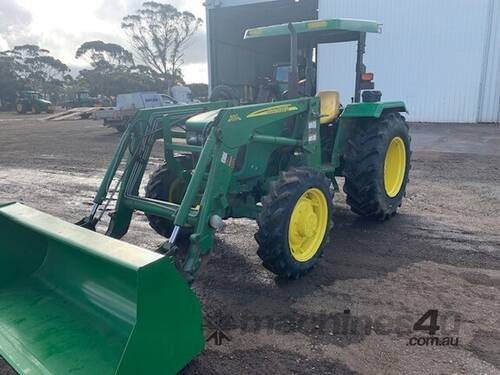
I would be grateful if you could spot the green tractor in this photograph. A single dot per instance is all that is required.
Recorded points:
(82, 99)
(33, 102)
(275, 88)
(73, 300)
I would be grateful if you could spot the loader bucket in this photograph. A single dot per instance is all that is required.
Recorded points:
(75, 301)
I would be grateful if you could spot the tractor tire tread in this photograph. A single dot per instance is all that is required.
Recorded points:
(363, 159)
(273, 228)
(155, 189)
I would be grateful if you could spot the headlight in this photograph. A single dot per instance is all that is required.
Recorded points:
(194, 138)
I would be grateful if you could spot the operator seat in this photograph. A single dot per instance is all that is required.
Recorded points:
(330, 106)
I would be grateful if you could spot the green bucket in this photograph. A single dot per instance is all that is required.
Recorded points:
(75, 301)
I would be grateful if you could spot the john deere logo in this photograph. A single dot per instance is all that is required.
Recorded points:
(234, 118)
(317, 24)
(283, 108)
(255, 32)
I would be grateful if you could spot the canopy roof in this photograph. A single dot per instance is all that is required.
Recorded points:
(320, 31)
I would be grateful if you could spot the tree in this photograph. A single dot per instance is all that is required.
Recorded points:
(112, 72)
(100, 52)
(10, 82)
(199, 91)
(38, 69)
(159, 34)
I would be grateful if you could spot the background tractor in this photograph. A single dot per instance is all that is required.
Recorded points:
(82, 99)
(32, 101)
(277, 162)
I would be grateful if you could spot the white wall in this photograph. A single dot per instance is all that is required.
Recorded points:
(431, 54)
(230, 3)
(489, 106)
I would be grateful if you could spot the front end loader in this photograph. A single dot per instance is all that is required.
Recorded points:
(73, 300)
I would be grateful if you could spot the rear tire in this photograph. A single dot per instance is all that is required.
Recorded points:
(164, 185)
(370, 192)
(295, 222)
(223, 92)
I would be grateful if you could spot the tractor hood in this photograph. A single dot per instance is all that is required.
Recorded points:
(197, 123)
(44, 102)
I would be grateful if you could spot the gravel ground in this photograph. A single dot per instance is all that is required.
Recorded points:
(355, 312)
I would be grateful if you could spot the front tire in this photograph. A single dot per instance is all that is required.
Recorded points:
(295, 222)
(165, 185)
(377, 165)
(20, 108)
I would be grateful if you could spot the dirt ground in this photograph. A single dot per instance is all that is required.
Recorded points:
(355, 312)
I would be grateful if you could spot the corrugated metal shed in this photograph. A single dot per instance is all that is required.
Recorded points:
(231, 3)
(441, 57)
(489, 105)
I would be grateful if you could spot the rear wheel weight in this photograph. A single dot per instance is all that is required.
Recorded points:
(295, 222)
(377, 164)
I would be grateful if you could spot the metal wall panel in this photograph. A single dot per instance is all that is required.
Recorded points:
(489, 105)
(430, 55)
(230, 3)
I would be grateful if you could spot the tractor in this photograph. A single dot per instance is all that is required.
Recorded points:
(32, 101)
(82, 99)
(267, 89)
(81, 301)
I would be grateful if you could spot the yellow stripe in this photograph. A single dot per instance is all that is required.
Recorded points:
(283, 108)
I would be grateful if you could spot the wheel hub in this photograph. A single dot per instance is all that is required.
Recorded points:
(307, 221)
(394, 167)
(308, 225)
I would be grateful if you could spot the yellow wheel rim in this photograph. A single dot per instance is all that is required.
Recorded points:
(308, 225)
(394, 166)
(19, 108)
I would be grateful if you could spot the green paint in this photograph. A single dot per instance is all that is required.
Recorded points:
(274, 136)
(74, 301)
(32, 101)
(371, 109)
(332, 25)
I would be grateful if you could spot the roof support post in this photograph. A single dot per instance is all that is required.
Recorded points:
(360, 67)
(293, 76)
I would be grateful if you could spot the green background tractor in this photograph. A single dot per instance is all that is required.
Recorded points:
(279, 163)
(82, 99)
(33, 102)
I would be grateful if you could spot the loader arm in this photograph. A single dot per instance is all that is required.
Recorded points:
(214, 182)
(232, 129)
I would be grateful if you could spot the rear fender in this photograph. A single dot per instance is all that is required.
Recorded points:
(354, 113)
(371, 110)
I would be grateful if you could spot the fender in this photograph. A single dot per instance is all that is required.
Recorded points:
(373, 110)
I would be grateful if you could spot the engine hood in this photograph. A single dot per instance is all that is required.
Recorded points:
(197, 123)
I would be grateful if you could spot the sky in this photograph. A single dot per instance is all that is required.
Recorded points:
(61, 26)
